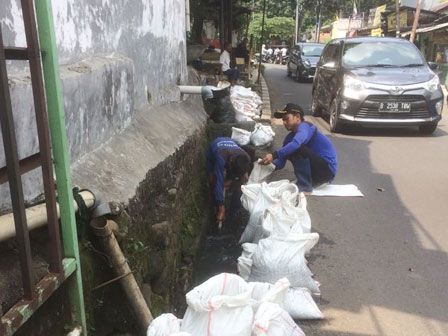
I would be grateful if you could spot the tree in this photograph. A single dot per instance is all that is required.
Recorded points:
(276, 28)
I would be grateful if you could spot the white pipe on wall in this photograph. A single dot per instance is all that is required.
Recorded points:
(188, 89)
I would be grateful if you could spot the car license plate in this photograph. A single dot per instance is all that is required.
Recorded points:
(399, 107)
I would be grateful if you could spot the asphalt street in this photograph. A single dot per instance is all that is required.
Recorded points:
(382, 259)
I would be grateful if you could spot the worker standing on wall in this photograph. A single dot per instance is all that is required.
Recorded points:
(227, 165)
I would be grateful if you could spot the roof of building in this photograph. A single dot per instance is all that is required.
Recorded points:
(440, 7)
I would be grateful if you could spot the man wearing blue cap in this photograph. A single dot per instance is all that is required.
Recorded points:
(310, 152)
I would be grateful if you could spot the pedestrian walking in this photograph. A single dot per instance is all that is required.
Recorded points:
(310, 152)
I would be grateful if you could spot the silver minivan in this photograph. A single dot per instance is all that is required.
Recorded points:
(377, 81)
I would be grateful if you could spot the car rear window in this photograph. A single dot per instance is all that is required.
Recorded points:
(312, 50)
(381, 54)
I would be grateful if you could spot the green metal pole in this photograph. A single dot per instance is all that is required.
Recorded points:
(61, 155)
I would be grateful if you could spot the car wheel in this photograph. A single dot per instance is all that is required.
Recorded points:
(428, 129)
(288, 72)
(335, 123)
(316, 110)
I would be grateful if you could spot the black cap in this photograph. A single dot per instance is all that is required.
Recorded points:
(289, 108)
(240, 165)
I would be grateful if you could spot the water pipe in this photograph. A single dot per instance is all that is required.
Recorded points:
(36, 216)
(102, 229)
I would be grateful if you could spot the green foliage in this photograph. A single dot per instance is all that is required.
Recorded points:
(281, 8)
(276, 28)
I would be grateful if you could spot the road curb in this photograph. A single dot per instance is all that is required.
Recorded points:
(266, 109)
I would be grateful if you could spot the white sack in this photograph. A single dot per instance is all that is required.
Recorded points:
(284, 257)
(260, 172)
(240, 136)
(165, 325)
(271, 320)
(266, 292)
(285, 217)
(245, 260)
(256, 199)
(262, 135)
(247, 103)
(298, 302)
(220, 306)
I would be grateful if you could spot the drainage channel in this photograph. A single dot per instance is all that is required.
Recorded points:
(220, 250)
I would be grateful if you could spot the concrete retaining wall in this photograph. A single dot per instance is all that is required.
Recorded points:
(116, 57)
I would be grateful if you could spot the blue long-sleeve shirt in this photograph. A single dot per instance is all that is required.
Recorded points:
(217, 156)
(321, 146)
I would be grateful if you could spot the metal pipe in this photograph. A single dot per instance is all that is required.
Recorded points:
(397, 18)
(102, 229)
(37, 216)
(14, 177)
(187, 16)
(415, 24)
(297, 24)
(56, 111)
(43, 132)
(261, 42)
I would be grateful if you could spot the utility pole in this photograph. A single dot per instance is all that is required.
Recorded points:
(415, 24)
(319, 12)
(297, 24)
(397, 18)
(262, 41)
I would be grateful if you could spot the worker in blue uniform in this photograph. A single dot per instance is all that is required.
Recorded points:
(226, 162)
(310, 152)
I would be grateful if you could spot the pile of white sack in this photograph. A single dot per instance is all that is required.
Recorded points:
(226, 305)
(277, 238)
(262, 135)
(246, 102)
(275, 286)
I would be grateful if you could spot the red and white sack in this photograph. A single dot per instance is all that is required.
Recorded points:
(256, 199)
(285, 217)
(219, 306)
(266, 292)
(284, 257)
(166, 325)
(298, 302)
(272, 320)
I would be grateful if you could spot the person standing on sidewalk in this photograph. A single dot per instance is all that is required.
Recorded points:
(310, 152)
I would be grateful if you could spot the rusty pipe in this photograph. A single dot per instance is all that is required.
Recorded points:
(101, 228)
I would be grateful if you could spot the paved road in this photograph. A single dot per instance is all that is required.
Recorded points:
(382, 259)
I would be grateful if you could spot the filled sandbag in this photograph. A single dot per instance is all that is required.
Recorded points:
(262, 135)
(256, 199)
(285, 217)
(220, 306)
(272, 320)
(276, 257)
(298, 302)
(166, 324)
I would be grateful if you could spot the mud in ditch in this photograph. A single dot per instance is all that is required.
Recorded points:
(220, 250)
